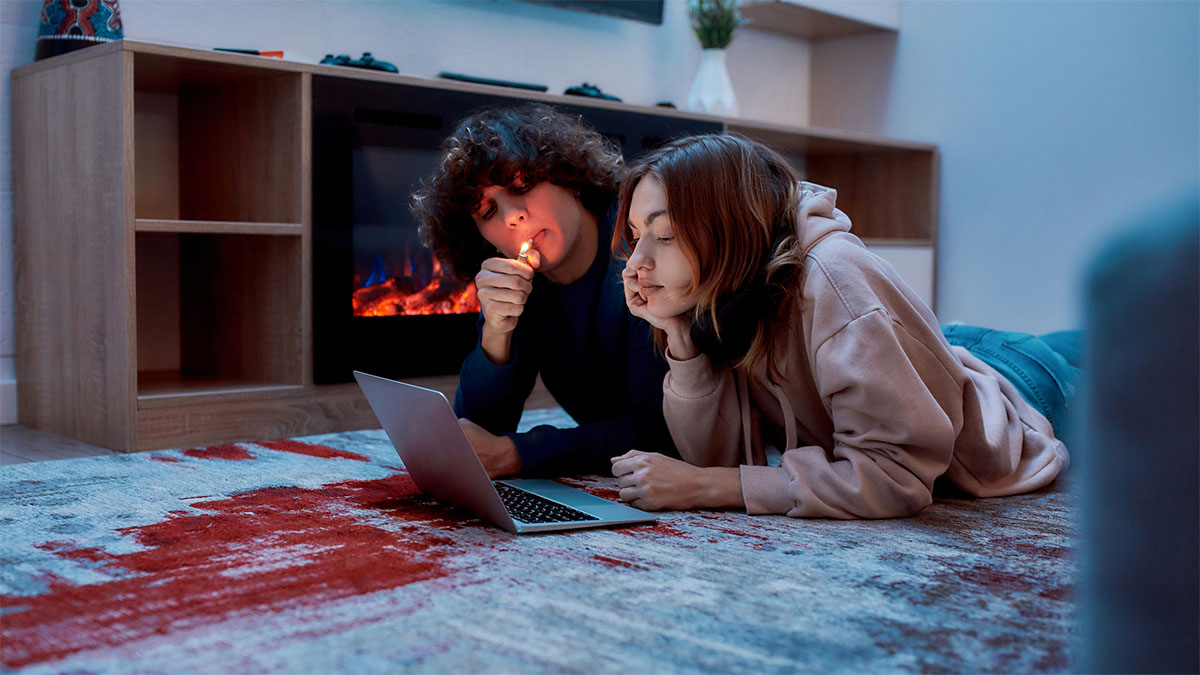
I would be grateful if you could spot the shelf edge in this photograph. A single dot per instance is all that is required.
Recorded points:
(217, 227)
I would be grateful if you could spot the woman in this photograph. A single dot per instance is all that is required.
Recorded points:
(782, 330)
(522, 202)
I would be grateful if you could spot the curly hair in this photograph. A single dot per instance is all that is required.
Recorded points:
(493, 146)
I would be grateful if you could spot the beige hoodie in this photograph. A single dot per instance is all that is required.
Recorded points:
(873, 403)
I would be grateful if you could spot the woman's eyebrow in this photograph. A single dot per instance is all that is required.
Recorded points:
(650, 218)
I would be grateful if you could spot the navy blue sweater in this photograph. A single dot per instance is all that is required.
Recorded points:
(595, 358)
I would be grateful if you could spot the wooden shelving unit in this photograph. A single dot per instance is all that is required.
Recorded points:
(808, 21)
(163, 237)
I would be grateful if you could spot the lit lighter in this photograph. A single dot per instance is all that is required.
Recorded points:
(523, 256)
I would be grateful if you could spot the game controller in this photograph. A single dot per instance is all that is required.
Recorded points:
(589, 90)
(367, 61)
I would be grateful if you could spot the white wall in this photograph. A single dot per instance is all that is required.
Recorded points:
(1057, 122)
(641, 63)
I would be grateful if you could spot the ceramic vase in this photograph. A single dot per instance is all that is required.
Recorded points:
(67, 25)
(712, 91)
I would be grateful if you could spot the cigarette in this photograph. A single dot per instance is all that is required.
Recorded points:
(523, 256)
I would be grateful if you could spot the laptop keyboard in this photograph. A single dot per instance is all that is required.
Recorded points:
(530, 508)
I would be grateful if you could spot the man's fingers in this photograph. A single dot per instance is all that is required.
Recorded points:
(492, 279)
(508, 267)
(503, 295)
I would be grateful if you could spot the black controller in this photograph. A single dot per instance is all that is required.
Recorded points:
(591, 90)
(367, 61)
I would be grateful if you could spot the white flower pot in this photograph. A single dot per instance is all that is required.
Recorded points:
(712, 92)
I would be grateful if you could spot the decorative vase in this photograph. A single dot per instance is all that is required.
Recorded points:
(712, 91)
(67, 25)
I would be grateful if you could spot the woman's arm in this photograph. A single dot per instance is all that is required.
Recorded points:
(653, 482)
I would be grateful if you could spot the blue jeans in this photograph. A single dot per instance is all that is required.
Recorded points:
(1043, 368)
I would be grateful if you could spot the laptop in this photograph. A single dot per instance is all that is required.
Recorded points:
(424, 430)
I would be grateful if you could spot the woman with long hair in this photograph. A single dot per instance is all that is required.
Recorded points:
(783, 332)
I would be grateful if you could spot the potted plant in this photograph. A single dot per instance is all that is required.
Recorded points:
(713, 22)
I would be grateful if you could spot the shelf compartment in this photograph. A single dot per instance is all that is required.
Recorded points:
(217, 142)
(217, 312)
(887, 187)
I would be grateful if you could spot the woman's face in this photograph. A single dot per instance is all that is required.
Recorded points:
(664, 276)
(548, 214)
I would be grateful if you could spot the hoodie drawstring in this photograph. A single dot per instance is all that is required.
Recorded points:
(789, 417)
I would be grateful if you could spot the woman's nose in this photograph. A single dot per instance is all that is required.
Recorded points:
(637, 260)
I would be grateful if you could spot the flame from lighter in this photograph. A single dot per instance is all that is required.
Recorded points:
(523, 256)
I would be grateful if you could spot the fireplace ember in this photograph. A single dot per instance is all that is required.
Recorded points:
(406, 295)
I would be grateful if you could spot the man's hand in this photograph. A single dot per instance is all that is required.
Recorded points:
(503, 287)
(655, 482)
(498, 453)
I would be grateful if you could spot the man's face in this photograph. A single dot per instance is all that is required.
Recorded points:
(548, 214)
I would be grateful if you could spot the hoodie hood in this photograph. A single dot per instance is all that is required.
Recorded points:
(818, 215)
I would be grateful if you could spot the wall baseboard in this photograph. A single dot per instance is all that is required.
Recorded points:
(8, 390)
(8, 401)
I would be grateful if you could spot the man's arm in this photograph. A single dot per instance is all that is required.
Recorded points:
(639, 424)
(491, 395)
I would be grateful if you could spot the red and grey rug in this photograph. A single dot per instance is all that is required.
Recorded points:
(320, 555)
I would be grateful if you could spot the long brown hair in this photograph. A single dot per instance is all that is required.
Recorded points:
(729, 199)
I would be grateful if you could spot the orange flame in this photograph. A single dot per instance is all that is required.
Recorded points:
(442, 295)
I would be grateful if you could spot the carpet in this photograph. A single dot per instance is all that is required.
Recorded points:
(319, 555)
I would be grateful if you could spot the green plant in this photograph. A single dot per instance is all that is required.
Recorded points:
(714, 21)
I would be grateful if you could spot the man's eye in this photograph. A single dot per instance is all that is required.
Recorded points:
(633, 242)
(487, 213)
(520, 187)
(665, 239)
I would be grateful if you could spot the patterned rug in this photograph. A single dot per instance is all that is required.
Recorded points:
(319, 555)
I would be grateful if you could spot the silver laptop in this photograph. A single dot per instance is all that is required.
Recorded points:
(435, 451)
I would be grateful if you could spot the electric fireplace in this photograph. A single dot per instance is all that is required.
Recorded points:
(382, 303)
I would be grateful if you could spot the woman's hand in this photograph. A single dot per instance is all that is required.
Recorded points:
(503, 286)
(654, 482)
(678, 328)
(498, 453)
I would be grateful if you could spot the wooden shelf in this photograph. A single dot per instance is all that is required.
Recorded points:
(171, 387)
(789, 17)
(218, 227)
(219, 307)
(217, 141)
(168, 301)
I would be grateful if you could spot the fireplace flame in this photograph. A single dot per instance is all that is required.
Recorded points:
(404, 296)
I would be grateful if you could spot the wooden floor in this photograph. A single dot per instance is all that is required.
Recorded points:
(19, 444)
